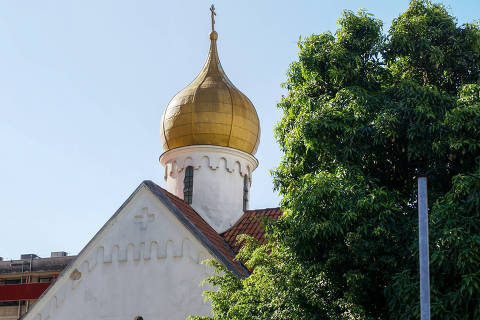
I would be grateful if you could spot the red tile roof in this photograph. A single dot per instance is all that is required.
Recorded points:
(252, 224)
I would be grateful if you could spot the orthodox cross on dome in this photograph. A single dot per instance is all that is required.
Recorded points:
(212, 9)
(144, 219)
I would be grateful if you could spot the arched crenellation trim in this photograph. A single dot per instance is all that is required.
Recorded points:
(212, 157)
(205, 162)
(187, 162)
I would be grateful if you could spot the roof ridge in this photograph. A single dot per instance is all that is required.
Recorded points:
(263, 209)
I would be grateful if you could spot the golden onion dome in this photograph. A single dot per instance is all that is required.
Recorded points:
(211, 111)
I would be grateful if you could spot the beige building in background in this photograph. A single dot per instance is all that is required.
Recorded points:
(23, 281)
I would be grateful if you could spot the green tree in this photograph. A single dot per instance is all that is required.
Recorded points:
(364, 115)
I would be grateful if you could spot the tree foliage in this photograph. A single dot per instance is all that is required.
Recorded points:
(365, 114)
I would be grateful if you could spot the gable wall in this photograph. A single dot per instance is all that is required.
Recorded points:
(144, 262)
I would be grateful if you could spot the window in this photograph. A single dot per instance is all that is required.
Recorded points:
(12, 303)
(245, 192)
(13, 281)
(188, 185)
(138, 318)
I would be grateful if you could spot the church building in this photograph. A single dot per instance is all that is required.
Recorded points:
(145, 262)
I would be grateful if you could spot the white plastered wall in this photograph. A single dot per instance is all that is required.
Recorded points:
(218, 180)
(144, 262)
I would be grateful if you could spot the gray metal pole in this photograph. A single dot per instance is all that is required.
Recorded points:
(424, 252)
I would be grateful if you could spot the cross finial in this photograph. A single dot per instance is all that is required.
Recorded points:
(212, 9)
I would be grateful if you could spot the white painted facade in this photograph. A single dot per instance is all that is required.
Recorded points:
(218, 180)
(143, 262)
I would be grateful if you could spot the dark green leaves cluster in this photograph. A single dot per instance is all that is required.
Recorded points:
(364, 115)
(280, 288)
(427, 45)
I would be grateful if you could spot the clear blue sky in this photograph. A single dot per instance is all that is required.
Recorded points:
(83, 85)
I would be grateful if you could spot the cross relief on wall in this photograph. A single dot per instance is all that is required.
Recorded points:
(144, 218)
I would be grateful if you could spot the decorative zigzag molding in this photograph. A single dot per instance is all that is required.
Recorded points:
(176, 166)
(212, 157)
(128, 252)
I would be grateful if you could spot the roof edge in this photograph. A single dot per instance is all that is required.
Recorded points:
(153, 187)
(66, 270)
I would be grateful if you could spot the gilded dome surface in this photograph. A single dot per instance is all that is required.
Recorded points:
(211, 111)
